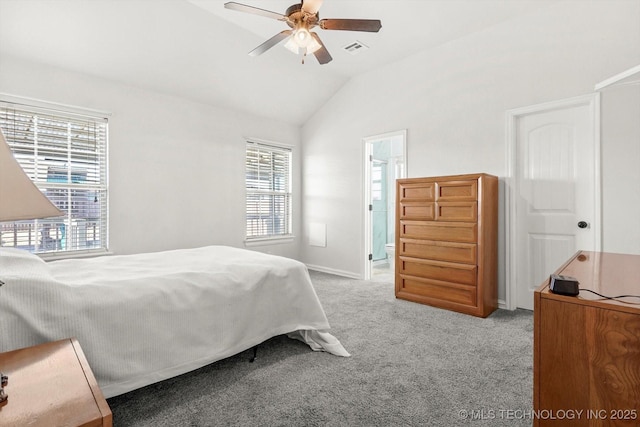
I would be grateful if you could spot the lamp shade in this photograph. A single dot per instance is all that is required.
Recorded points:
(20, 199)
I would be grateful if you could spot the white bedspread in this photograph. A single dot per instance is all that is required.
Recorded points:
(148, 317)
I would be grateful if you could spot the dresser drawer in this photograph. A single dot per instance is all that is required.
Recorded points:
(415, 288)
(438, 251)
(425, 211)
(416, 191)
(457, 190)
(437, 270)
(434, 230)
(457, 211)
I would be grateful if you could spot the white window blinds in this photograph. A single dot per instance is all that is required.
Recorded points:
(268, 185)
(65, 155)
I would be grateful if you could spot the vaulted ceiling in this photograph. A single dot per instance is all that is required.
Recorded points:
(197, 49)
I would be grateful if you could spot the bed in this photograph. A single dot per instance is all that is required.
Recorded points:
(144, 318)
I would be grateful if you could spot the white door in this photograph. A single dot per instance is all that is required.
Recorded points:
(556, 189)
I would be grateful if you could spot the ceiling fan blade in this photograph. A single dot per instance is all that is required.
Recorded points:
(322, 54)
(257, 11)
(311, 6)
(370, 25)
(270, 43)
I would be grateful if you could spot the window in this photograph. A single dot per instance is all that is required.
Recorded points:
(268, 184)
(65, 155)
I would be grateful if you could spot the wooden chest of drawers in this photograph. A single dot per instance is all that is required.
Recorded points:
(446, 242)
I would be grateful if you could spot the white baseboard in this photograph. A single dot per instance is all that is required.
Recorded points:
(343, 273)
(351, 275)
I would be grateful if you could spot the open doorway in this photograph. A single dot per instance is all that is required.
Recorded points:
(384, 162)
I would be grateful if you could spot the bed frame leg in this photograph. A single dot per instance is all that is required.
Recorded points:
(255, 352)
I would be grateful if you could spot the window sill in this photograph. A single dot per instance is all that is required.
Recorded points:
(269, 241)
(73, 254)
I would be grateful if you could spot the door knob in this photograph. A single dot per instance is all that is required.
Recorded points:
(583, 224)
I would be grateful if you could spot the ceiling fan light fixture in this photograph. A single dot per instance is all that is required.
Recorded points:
(302, 42)
(302, 37)
(292, 46)
(311, 47)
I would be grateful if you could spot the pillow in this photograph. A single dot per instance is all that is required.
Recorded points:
(18, 262)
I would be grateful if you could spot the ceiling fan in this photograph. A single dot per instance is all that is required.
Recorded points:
(302, 18)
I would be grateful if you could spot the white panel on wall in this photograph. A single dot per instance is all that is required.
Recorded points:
(318, 234)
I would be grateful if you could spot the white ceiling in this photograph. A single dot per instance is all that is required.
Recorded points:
(197, 49)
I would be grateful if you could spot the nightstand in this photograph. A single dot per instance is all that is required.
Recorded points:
(52, 385)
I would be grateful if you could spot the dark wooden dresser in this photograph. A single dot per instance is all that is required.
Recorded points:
(586, 348)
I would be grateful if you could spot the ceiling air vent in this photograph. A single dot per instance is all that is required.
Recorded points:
(356, 47)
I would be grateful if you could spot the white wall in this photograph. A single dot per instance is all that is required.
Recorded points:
(176, 168)
(452, 100)
(621, 165)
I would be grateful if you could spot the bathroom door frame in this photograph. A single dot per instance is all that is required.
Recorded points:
(367, 246)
